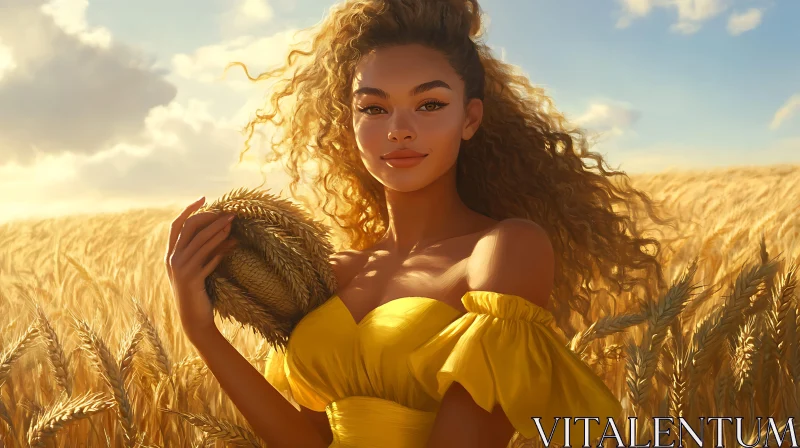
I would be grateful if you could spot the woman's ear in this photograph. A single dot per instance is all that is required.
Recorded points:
(472, 119)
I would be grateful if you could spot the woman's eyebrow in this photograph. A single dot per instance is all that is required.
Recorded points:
(424, 87)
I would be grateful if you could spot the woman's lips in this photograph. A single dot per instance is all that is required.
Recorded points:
(405, 162)
(402, 153)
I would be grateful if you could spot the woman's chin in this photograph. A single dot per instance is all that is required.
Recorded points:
(395, 183)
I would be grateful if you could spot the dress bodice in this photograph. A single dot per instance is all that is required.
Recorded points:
(381, 380)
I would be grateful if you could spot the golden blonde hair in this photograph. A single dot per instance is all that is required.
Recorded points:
(524, 161)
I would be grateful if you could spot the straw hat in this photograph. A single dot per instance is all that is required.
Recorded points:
(278, 272)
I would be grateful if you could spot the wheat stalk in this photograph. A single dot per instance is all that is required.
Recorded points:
(606, 356)
(17, 349)
(146, 371)
(150, 332)
(128, 349)
(55, 352)
(196, 379)
(780, 337)
(741, 355)
(603, 327)
(85, 274)
(677, 385)
(783, 314)
(722, 322)
(723, 389)
(635, 366)
(219, 429)
(109, 370)
(796, 365)
(63, 412)
(190, 361)
(765, 361)
(742, 358)
(661, 315)
(4, 415)
(8, 328)
(33, 408)
(110, 283)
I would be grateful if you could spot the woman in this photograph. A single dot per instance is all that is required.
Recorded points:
(471, 217)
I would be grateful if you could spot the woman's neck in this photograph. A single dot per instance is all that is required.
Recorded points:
(420, 218)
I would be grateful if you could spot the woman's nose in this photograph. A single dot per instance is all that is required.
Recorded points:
(402, 135)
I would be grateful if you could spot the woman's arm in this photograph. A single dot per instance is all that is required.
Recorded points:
(195, 248)
(320, 421)
(272, 417)
(461, 422)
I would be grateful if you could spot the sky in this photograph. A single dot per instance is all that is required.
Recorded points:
(110, 104)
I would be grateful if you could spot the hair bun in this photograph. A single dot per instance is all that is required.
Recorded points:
(471, 13)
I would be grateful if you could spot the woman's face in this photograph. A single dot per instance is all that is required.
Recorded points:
(409, 97)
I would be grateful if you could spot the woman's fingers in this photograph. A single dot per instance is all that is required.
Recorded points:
(192, 228)
(212, 264)
(217, 255)
(205, 236)
(201, 256)
(177, 226)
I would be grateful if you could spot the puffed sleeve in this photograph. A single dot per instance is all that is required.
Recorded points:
(506, 350)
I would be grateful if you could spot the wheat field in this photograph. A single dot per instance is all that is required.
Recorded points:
(91, 352)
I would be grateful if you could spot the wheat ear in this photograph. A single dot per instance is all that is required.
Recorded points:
(8, 357)
(220, 429)
(55, 352)
(63, 412)
(109, 370)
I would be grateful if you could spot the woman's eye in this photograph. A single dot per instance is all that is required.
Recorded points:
(370, 110)
(433, 105)
(428, 107)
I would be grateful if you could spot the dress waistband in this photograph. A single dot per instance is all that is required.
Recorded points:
(361, 422)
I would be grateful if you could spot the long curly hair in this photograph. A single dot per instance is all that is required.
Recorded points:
(525, 161)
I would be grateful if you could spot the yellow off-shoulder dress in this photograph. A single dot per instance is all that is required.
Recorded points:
(381, 380)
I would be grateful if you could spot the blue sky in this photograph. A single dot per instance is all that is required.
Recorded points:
(707, 89)
(111, 104)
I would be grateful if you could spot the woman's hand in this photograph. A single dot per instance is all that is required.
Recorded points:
(196, 246)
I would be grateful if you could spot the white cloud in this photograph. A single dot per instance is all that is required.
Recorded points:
(699, 10)
(88, 127)
(7, 62)
(746, 21)
(245, 15)
(207, 64)
(638, 8)
(256, 10)
(691, 13)
(609, 118)
(786, 111)
(685, 27)
(64, 94)
(70, 16)
(186, 153)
